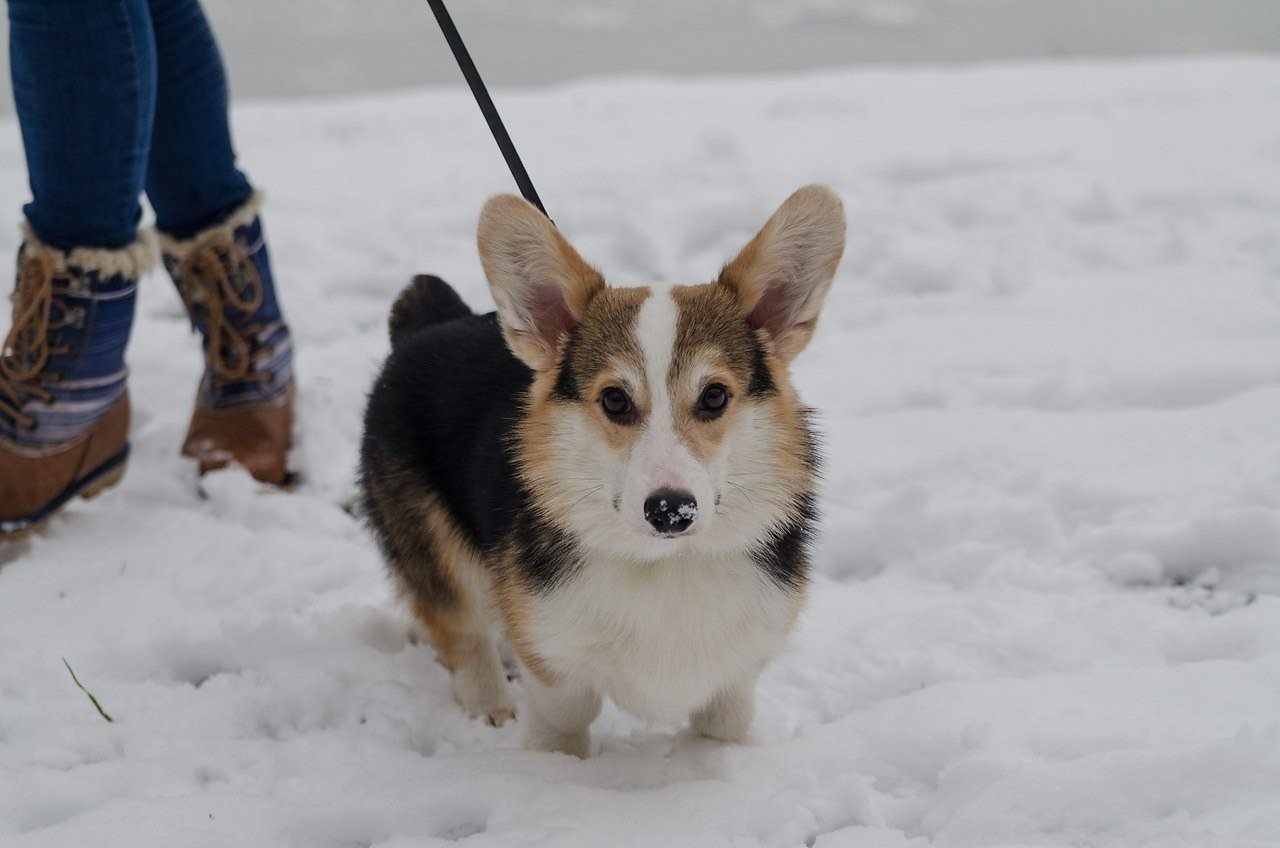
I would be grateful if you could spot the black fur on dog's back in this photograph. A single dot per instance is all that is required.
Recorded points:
(440, 416)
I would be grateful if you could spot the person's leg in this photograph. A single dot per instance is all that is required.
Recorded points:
(83, 76)
(192, 179)
(215, 250)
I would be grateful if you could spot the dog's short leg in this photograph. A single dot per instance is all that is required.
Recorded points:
(444, 579)
(480, 681)
(467, 649)
(558, 718)
(728, 715)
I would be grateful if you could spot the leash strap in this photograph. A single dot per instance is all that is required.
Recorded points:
(485, 103)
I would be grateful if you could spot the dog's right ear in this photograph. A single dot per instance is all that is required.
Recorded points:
(540, 283)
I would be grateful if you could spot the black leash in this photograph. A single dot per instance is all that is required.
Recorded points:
(486, 104)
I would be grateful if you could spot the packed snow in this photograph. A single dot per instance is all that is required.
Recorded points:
(1047, 603)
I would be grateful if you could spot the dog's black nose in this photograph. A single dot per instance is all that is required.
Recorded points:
(669, 511)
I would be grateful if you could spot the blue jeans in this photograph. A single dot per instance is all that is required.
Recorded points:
(116, 97)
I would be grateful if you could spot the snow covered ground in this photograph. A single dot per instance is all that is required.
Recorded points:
(1048, 603)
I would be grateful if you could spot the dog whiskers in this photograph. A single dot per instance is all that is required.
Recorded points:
(589, 493)
(740, 488)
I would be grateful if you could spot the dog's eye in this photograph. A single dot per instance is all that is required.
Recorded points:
(715, 398)
(616, 404)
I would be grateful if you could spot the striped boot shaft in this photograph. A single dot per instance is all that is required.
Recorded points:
(224, 277)
(63, 363)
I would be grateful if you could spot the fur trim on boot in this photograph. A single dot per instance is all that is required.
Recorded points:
(224, 232)
(133, 260)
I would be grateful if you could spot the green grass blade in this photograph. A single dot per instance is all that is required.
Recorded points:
(76, 680)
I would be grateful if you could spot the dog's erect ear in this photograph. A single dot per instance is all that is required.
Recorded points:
(782, 276)
(540, 283)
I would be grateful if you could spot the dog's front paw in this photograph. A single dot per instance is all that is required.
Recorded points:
(542, 737)
(483, 694)
(728, 716)
(496, 716)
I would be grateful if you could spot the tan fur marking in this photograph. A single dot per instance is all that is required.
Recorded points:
(446, 627)
(606, 337)
(790, 446)
(452, 626)
(514, 600)
(713, 343)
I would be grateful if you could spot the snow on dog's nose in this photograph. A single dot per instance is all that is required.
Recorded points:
(670, 512)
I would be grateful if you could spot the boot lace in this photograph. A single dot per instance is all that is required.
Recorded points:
(214, 279)
(28, 346)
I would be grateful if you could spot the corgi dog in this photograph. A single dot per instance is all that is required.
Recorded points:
(620, 481)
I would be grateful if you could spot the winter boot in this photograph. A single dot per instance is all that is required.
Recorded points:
(244, 405)
(64, 409)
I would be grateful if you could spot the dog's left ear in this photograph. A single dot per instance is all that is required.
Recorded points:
(540, 283)
(782, 276)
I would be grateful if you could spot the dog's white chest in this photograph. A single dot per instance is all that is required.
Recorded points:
(661, 639)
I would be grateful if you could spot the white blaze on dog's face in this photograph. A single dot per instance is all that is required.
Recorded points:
(662, 418)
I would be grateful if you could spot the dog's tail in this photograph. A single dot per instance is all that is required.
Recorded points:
(425, 301)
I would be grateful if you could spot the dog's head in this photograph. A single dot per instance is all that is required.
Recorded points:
(662, 418)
